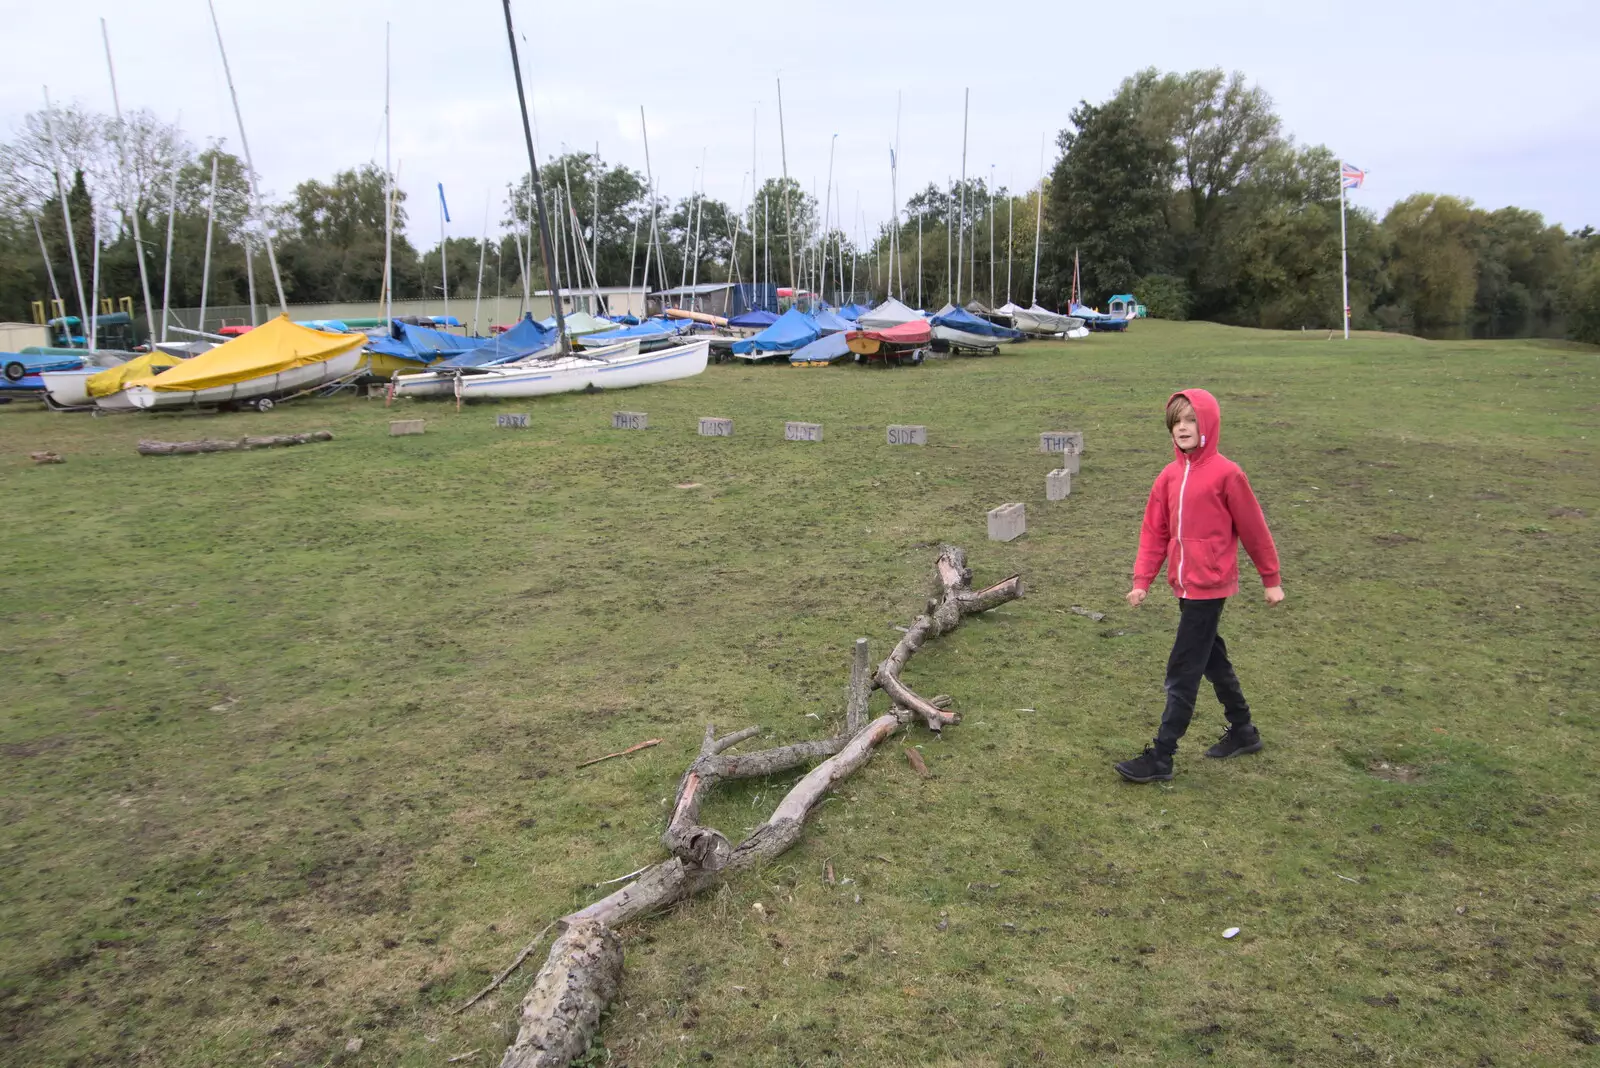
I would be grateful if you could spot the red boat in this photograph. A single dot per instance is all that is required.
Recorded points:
(891, 343)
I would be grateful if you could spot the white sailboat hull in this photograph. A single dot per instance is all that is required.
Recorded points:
(574, 374)
(443, 383)
(291, 381)
(69, 389)
(960, 339)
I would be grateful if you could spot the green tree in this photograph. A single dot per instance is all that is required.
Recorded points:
(1432, 262)
(1107, 201)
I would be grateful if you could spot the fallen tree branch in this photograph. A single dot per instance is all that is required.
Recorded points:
(513, 966)
(177, 448)
(583, 969)
(625, 752)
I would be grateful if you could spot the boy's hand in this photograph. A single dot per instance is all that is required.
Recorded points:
(1136, 597)
(1274, 594)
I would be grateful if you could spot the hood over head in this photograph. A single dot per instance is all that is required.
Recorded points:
(1208, 418)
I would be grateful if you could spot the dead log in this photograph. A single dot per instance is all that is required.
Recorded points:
(181, 448)
(584, 967)
(47, 458)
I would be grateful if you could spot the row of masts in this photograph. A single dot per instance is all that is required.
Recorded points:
(570, 256)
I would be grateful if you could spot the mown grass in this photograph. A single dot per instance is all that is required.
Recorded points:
(288, 740)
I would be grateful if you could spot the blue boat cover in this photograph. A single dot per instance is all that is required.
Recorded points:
(793, 330)
(1081, 312)
(831, 322)
(853, 311)
(827, 348)
(647, 329)
(421, 344)
(965, 321)
(757, 319)
(335, 326)
(524, 339)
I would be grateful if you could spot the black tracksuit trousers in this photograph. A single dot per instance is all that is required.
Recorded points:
(1198, 651)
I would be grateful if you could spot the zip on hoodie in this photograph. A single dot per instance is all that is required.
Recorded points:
(1182, 592)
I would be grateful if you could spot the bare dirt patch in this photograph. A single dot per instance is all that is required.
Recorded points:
(1393, 538)
(1395, 772)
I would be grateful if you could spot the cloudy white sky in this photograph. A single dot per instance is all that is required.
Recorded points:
(1496, 103)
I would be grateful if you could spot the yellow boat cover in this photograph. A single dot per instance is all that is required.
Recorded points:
(112, 379)
(277, 346)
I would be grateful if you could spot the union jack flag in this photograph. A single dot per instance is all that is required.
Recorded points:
(1352, 177)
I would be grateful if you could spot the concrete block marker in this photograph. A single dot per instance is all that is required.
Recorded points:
(1008, 522)
(1070, 462)
(715, 428)
(908, 435)
(1058, 485)
(402, 427)
(802, 431)
(1068, 441)
(514, 420)
(630, 420)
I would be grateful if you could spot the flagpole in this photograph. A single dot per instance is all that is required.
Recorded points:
(1344, 255)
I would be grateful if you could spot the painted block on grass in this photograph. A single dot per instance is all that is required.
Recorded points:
(1067, 441)
(629, 420)
(908, 435)
(514, 420)
(715, 428)
(402, 427)
(802, 431)
(1008, 522)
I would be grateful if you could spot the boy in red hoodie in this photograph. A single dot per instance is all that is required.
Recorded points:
(1199, 510)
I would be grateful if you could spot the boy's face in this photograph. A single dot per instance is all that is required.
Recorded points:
(1186, 431)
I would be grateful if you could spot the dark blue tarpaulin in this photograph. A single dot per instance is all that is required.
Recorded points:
(757, 319)
(524, 339)
(965, 321)
(825, 349)
(419, 343)
(793, 330)
(831, 322)
(650, 328)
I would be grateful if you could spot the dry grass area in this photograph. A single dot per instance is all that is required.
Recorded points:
(288, 744)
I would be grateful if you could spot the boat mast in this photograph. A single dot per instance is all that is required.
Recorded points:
(991, 235)
(444, 251)
(55, 290)
(1038, 225)
(788, 217)
(205, 270)
(827, 211)
(250, 167)
(919, 258)
(650, 239)
(594, 230)
(483, 251)
(538, 195)
(388, 196)
(961, 222)
(896, 258)
(949, 244)
(66, 217)
(91, 339)
(699, 226)
(755, 246)
(122, 164)
(1011, 221)
(166, 273)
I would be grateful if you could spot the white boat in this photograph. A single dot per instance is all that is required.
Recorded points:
(258, 392)
(1040, 322)
(442, 383)
(571, 374)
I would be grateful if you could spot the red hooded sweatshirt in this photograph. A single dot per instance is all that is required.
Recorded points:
(1199, 510)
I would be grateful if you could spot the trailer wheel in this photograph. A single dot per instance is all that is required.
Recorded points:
(16, 371)
(265, 404)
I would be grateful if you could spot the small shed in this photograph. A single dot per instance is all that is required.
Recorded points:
(1124, 306)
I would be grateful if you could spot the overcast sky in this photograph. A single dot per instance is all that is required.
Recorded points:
(1500, 104)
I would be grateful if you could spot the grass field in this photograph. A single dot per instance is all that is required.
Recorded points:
(288, 738)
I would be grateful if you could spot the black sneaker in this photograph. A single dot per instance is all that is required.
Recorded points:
(1236, 741)
(1148, 766)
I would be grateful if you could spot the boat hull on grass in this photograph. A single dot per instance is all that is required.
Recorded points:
(293, 380)
(961, 341)
(575, 374)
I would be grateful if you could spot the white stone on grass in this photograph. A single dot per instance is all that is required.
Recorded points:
(715, 428)
(401, 427)
(1008, 522)
(1058, 485)
(629, 420)
(802, 431)
(908, 435)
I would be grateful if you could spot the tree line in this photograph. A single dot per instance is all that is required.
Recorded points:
(1180, 188)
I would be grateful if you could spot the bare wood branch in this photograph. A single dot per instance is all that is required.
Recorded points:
(736, 737)
(175, 448)
(584, 966)
(855, 711)
(513, 966)
(625, 752)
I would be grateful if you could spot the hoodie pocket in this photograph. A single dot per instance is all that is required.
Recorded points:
(1202, 565)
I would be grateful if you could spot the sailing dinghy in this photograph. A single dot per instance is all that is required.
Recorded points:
(618, 367)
